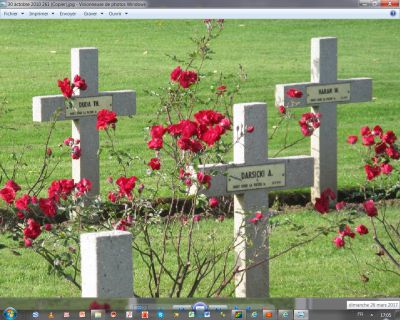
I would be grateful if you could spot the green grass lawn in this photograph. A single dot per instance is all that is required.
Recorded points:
(35, 54)
(317, 269)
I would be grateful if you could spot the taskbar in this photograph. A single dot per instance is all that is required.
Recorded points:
(208, 309)
(146, 13)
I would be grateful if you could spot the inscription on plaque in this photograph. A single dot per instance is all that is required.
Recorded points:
(328, 93)
(256, 177)
(89, 106)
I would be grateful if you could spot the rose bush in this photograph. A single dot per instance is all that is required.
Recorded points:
(380, 155)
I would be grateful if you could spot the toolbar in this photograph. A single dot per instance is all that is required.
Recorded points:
(199, 14)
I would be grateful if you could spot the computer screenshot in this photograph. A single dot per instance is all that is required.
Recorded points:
(199, 159)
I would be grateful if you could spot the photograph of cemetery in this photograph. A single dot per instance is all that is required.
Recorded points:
(162, 158)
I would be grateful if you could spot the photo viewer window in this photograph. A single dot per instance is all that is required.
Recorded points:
(199, 159)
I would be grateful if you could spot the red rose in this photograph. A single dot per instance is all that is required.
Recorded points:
(208, 117)
(174, 130)
(187, 78)
(340, 205)
(377, 131)
(282, 110)
(365, 131)
(352, 139)
(155, 163)
(48, 227)
(258, 217)
(188, 128)
(389, 137)
(293, 93)
(225, 123)
(48, 206)
(80, 83)
(361, 229)
(69, 142)
(380, 148)
(67, 186)
(339, 242)
(347, 232)
(372, 171)
(76, 153)
(176, 73)
(392, 153)
(28, 242)
(32, 230)
(212, 135)
(65, 87)
(112, 197)
(106, 118)
(196, 218)
(184, 144)
(213, 202)
(20, 215)
(195, 146)
(250, 129)
(204, 179)
(386, 168)
(322, 203)
(7, 194)
(309, 122)
(83, 186)
(23, 202)
(370, 209)
(155, 144)
(368, 140)
(157, 132)
(13, 185)
(126, 186)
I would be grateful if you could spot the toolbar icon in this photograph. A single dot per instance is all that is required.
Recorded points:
(237, 314)
(10, 313)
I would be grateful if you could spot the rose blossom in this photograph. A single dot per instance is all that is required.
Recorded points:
(204, 179)
(213, 202)
(352, 139)
(80, 83)
(48, 206)
(250, 129)
(258, 217)
(361, 229)
(105, 119)
(293, 93)
(7, 194)
(154, 163)
(339, 242)
(370, 209)
(66, 88)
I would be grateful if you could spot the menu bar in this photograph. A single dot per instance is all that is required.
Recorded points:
(199, 14)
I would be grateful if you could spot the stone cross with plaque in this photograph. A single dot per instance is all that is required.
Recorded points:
(249, 178)
(86, 104)
(323, 93)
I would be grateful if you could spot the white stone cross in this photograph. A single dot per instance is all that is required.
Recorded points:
(249, 178)
(323, 93)
(84, 62)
